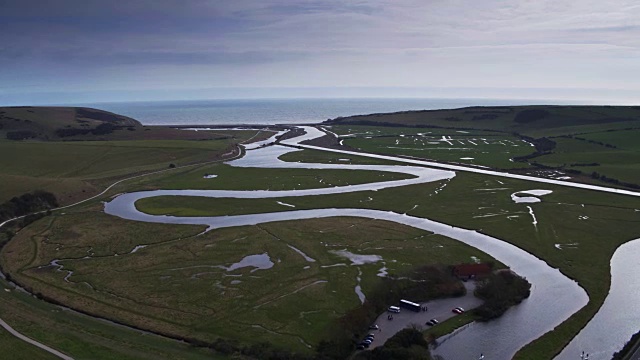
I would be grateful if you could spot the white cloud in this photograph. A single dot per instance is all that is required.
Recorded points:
(462, 43)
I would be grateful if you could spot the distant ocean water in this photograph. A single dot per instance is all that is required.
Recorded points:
(280, 111)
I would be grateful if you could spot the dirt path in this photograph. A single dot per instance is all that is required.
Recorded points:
(33, 342)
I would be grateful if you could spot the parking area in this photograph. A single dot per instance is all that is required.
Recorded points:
(437, 309)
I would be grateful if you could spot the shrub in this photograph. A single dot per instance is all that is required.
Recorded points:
(624, 352)
(66, 132)
(406, 344)
(103, 129)
(20, 135)
(27, 203)
(500, 291)
(530, 115)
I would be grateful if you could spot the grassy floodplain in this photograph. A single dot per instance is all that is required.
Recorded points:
(323, 157)
(469, 147)
(622, 163)
(80, 336)
(21, 350)
(181, 289)
(74, 167)
(182, 284)
(74, 170)
(577, 231)
(553, 121)
(587, 231)
(235, 178)
(587, 139)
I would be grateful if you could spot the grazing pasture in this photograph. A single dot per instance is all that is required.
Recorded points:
(74, 170)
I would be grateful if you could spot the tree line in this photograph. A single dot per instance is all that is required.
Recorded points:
(27, 203)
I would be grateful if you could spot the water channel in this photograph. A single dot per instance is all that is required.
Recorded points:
(553, 298)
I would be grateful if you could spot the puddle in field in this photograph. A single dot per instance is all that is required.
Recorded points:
(138, 247)
(258, 262)
(358, 259)
(519, 198)
(383, 272)
(284, 204)
(358, 288)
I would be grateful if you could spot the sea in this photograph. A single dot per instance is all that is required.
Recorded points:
(283, 111)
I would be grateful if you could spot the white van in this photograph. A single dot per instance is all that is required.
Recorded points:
(393, 309)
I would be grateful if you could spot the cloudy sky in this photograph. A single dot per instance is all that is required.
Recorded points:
(96, 50)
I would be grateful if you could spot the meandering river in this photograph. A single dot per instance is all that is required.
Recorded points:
(553, 298)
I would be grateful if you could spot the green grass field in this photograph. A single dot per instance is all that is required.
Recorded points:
(80, 336)
(73, 170)
(577, 230)
(236, 178)
(560, 120)
(180, 283)
(179, 287)
(323, 157)
(383, 131)
(604, 149)
(20, 350)
(627, 139)
(617, 163)
(75, 167)
(565, 217)
(470, 147)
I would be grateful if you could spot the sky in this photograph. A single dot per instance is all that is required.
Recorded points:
(79, 51)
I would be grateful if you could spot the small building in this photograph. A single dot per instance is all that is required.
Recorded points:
(467, 271)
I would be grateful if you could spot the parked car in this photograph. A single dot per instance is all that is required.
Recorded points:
(432, 322)
(458, 310)
(367, 341)
(393, 309)
(374, 327)
(360, 347)
(366, 345)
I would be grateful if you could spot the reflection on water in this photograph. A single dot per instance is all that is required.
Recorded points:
(619, 316)
(258, 262)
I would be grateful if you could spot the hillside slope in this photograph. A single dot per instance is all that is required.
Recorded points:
(53, 123)
(535, 121)
(76, 152)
